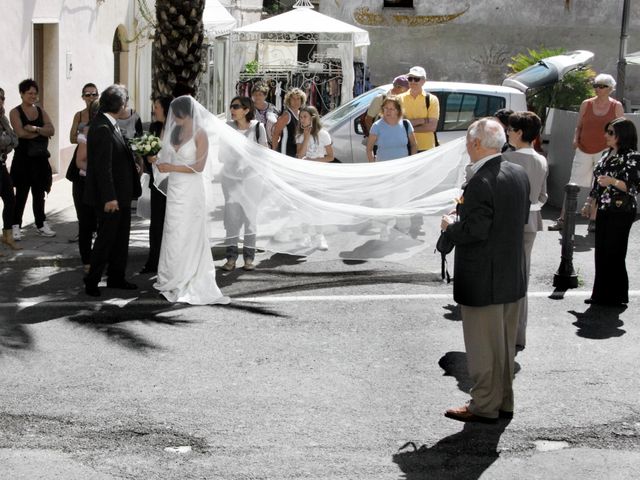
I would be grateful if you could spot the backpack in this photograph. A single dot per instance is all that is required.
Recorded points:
(405, 122)
(427, 102)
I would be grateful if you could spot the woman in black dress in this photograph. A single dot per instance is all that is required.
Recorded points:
(615, 186)
(161, 106)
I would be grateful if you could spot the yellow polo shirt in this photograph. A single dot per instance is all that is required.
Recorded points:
(417, 108)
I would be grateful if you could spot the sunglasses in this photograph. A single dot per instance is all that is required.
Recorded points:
(235, 106)
(413, 79)
(600, 85)
(610, 132)
(90, 94)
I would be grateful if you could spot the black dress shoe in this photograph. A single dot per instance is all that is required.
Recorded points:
(122, 285)
(148, 269)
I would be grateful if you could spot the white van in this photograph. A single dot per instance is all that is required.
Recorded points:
(460, 105)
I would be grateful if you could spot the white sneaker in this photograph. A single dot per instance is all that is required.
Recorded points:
(17, 234)
(321, 242)
(46, 231)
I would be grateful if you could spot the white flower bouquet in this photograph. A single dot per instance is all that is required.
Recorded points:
(145, 145)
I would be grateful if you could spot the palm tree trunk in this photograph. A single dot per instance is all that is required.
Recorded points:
(177, 46)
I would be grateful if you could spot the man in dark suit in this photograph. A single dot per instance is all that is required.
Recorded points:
(112, 183)
(489, 271)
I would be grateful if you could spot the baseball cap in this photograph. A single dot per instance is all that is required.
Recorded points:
(401, 81)
(417, 72)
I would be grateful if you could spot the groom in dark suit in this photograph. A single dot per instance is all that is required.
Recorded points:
(489, 271)
(112, 183)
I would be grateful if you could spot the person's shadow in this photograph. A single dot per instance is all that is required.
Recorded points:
(599, 322)
(462, 456)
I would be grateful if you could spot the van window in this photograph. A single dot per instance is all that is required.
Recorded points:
(462, 109)
(345, 111)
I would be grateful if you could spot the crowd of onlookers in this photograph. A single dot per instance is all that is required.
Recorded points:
(398, 123)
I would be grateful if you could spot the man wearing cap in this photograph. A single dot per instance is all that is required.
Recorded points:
(400, 85)
(421, 109)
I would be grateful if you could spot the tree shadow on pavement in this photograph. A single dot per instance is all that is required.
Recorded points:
(465, 455)
(114, 315)
(454, 365)
(599, 322)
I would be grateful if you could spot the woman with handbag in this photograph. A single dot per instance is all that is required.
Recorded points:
(8, 141)
(615, 186)
(30, 169)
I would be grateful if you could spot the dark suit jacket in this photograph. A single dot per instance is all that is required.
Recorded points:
(111, 168)
(489, 256)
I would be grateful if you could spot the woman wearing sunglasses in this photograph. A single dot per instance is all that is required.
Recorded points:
(616, 180)
(74, 174)
(594, 114)
(238, 212)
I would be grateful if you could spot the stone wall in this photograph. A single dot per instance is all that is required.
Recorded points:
(464, 40)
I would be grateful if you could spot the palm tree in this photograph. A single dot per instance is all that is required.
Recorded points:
(177, 45)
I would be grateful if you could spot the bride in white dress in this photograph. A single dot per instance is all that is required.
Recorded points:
(186, 272)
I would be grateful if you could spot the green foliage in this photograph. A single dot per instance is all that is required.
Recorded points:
(251, 67)
(567, 94)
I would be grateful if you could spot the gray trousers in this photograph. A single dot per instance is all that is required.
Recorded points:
(523, 303)
(490, 341)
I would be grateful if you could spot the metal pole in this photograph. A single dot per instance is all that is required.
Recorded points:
(622, 62)
(566, 276)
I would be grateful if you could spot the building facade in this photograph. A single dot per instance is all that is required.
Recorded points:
(64, 44)
(463, 40)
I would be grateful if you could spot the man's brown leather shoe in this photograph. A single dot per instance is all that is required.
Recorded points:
(463, 414)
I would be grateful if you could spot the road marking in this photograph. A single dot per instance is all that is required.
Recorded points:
(416, 296)
(135, 302)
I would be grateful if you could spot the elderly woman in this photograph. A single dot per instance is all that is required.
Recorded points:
(284, 131)
(594, 114)
(30, 169)
(523, 129)
(393, 136)
(8, 141)
(615, 186)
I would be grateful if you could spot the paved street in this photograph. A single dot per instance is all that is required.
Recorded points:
(316, 370)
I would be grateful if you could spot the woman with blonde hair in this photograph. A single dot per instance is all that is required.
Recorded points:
(284, 131)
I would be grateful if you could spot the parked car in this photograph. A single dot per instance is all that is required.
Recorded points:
(548, 70)
(460, 105)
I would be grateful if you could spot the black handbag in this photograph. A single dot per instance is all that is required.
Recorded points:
(444, 245)
(38, 147)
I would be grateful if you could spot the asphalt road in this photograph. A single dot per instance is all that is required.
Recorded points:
(317, 370)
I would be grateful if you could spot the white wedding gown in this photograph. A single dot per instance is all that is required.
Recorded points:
(186, 272)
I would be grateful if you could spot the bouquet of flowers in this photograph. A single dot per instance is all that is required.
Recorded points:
(147, 144)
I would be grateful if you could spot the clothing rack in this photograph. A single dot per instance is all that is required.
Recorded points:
(323, 88)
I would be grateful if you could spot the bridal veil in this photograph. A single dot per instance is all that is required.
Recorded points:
(365, 211)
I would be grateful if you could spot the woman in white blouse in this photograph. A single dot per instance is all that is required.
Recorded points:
(523, 129)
